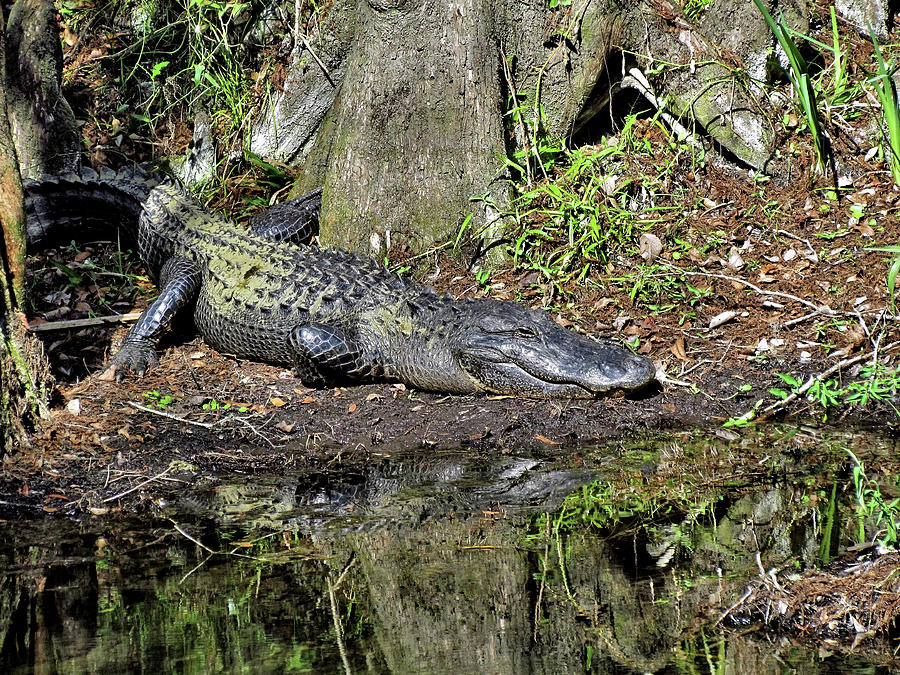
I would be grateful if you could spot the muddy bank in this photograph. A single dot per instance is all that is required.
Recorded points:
(221, 416)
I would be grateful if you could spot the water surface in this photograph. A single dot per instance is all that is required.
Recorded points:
(619, 558)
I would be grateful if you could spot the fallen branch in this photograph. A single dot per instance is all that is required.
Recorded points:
(138, 486)
(162, 413)
(785, 233)
(821, 309)
(196, 541)
(83, 323)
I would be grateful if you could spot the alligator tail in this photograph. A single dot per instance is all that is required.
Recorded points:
(84, 205)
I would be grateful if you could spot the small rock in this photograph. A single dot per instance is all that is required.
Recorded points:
(651, 246)
(74, 406)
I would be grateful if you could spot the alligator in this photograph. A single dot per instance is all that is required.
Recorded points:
(265, 293)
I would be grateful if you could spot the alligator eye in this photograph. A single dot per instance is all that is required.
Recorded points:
(526, 332)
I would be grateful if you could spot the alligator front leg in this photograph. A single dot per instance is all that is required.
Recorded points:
(326, 356)
(296, 221)
(180, 280)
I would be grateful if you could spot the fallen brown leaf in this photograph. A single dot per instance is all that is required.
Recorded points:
(548, 441)
(678, 350)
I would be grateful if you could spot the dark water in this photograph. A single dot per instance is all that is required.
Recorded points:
(446, 563)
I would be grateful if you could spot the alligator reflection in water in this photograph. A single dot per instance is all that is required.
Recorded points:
(418, 568)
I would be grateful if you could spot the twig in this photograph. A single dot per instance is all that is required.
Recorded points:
(638, 81)
(82, 323)
(785, 233)
(338, 630)
(346, 569)
(196, 567)
(138, 486)
(256, 431)
(733, 607)
(801, 319)
(317, 60)
(823, 309)
(162, 413)
(196, 541)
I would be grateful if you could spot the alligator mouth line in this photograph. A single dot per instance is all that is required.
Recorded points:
(541, 380)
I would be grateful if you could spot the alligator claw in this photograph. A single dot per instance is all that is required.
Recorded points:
(136, 356)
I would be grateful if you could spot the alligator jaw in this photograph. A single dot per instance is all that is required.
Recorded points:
(577, 368)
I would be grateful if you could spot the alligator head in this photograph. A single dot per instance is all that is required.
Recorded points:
(505, 348)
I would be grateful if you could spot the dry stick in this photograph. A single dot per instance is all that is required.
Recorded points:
(801, 319)
(298, 7)
(740, 600)
(824, 309)
(318, 60)
(196, 567)
(638, 81)
(82, 323)
(821, 376)
(350, 563)
(137, 487)
(785, 233)
(161, 413)
(196, 541)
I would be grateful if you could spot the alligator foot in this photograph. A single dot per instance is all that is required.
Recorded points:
(326, 355)
(136, 356)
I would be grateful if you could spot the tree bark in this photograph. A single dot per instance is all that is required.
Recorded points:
(416, 128)
(43, 124)
(24, 375)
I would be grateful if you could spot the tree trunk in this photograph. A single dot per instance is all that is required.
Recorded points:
(416, 129)
(24, 375)
(429, 101)
(43, 124)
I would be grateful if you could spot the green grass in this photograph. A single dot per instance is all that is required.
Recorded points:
(176, 59)
(877, 516)
(875, 382)
(693, 9)
(572, 225)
